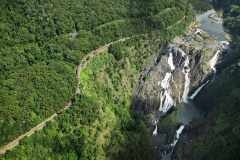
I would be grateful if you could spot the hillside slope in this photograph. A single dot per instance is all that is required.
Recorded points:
(42, 42)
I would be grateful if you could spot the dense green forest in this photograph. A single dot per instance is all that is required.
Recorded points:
(83, 132)
(42, 42)
(232, 20)
(99, 124)
(39, 50)
(200, 5)
(217, 135)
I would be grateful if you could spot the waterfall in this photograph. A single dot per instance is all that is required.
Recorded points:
(162, 96)
(225, 43)
(155, 131)
(213, 61)
(198, 90)
(166, 101)
(183, 54)
(186, 71)
(170, 61)
(165, 82)
(179, 131)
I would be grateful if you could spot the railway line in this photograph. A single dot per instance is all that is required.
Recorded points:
(78, 72)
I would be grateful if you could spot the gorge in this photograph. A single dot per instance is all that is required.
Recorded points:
(185, 66)
(154, 81)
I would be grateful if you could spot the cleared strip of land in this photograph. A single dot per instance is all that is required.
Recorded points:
(79, 67)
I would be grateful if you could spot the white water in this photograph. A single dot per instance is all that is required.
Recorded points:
(199, 30)
(198, 90)
(213, 61)
(155, 131)
(188, 110)
(170, 61)
(179, 131)
(165, 82)
(186, 71)
(166, 101)
(225, 42)
(183, 54)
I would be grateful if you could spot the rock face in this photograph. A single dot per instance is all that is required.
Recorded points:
(168, 124)
(179, 69)
(215, 17)
(207, 135)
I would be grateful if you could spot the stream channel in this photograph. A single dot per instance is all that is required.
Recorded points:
(188, 110)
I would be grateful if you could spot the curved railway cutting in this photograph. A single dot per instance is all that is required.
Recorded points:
(78, 71)
(42, 124)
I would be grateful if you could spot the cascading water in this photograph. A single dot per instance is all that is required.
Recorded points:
(213, 61)
(168, 149)
(170, 61)
(155, 131)
(199, 30)
(179, 131)
(185, 71)
(166, 96)
(183, 54)
(198, 90)
(188, 109)
(225, 43)
(166, 101)
(165, 82)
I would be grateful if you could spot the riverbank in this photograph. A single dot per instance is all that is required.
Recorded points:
(201, 67)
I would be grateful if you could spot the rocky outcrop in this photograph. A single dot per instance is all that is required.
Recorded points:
(196, 128)
(163, 83)
(215, 17)
(168, 124)
(214, 132)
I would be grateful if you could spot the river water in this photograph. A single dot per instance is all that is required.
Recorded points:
(211, 26)
(188, 108)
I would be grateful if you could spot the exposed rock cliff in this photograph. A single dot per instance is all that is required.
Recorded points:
(216, 134)
(180, 68)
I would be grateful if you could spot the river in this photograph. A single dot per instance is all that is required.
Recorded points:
(211, 26)
(188, 108)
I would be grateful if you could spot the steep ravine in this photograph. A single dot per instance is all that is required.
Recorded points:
(215, 135)
(182, 69)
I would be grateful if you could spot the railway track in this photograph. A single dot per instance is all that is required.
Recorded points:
(78, 72)
(42, 124)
